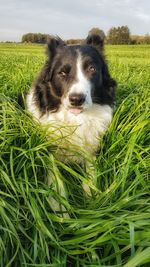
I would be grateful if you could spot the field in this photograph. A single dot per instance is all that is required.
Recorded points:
(112, 228)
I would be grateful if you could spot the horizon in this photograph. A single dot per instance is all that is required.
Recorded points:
(71, 20)
(72, 38)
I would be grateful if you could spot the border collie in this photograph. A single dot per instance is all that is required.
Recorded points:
(74, 90)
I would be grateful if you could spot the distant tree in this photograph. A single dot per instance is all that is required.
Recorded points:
(134, 39)
(112, 36)
(74, 41)
(147, 39)
(119, 35)
(139, 39)
(124, 35)
(34, 38)
(23, 40)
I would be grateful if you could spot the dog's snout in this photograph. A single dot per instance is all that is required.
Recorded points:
(77, 99)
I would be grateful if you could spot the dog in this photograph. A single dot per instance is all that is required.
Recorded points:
(75, 88)
(74, 91)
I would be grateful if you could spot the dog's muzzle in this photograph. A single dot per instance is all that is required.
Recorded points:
(76, 100)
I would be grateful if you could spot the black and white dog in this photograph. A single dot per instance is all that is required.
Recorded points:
(75, 88)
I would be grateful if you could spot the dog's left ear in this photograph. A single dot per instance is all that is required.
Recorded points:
(96, 41)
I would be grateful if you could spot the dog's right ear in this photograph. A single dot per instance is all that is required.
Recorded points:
(96, 41)
(53, 42)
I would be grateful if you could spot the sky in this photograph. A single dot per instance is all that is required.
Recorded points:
(71, 19)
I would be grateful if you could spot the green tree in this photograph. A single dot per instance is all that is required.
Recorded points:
(147, 39)
(34, 38)
(119, 35)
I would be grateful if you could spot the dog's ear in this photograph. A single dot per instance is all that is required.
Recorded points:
(96, 40)
(53, 42)
(44, 95)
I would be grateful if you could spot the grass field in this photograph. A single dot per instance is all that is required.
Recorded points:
(111, 228)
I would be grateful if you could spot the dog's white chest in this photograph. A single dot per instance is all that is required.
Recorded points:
(84, 129)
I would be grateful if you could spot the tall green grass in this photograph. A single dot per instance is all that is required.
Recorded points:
(112, 228)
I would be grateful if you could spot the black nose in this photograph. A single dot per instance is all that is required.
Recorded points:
(76, 99)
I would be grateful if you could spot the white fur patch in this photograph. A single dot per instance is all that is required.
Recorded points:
(87, 127)
(31, 106)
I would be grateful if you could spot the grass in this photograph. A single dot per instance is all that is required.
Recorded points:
(112, 227)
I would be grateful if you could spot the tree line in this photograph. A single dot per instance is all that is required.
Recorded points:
(116, 35)
(34, 38)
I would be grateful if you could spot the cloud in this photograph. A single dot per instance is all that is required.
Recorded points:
(71, 18)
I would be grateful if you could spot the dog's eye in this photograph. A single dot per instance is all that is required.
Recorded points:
(64, 71)
(62, 74)
(92, 69)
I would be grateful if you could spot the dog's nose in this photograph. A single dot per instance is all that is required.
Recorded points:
(76, 99)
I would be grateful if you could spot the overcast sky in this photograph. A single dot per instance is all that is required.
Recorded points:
(71, 19)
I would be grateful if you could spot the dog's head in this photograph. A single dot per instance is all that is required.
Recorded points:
(74, 76)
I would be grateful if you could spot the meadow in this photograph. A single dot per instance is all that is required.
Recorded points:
(111, 228)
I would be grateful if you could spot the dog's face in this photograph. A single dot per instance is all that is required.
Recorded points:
(74, 77)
